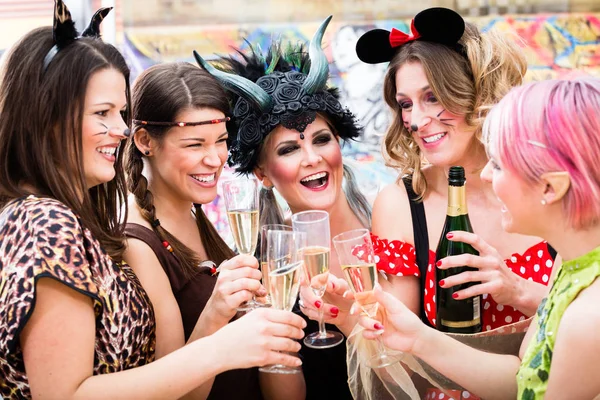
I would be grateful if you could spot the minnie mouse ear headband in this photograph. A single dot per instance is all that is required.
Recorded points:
(64, 32)
(437, 25)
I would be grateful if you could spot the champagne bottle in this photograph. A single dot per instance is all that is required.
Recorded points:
(456, 316)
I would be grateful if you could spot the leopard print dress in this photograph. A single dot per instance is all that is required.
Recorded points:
(42, 238)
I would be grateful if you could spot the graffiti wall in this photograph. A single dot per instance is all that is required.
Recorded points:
(557, 45)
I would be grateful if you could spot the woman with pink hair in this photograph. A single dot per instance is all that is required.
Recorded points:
(544, 147)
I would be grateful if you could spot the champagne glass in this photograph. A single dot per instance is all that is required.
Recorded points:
(316, 269)
(357, 259)
(284, 264)
(263, 255)
(241, 202)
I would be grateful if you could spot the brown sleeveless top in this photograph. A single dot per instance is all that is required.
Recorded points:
(192, 294)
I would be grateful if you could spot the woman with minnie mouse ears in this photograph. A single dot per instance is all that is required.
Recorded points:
(442, 79)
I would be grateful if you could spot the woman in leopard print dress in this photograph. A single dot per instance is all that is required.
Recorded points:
(74, 319)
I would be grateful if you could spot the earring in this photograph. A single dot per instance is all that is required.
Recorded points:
(544, 202)
(147, 153)
(414, 127)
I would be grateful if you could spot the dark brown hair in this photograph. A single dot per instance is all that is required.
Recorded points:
(464, 84)
(41, 132)
(160, 93)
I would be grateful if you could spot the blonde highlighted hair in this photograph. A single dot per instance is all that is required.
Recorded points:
(466, 84)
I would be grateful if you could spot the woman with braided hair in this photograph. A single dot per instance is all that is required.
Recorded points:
(173, 164)
(288, 125)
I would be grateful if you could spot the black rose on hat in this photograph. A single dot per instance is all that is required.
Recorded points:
(297, 77)
(250, 133)
(268, 83)
(278, 109)
(294, 106)
(287, 92)
(241, 108)
(333, 104)
(306, 99)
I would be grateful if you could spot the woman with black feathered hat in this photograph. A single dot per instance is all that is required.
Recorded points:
(286, 129)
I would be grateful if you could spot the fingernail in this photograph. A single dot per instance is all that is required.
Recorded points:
(335, 310)
(455, 295)
(352, 310)
(442, 282)
(439, 263)
(379, 332)
(332, 285)
(318, 303)
(298, 362)
(378, 326)
(450, 235)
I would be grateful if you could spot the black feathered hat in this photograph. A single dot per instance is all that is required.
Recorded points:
(287, 87)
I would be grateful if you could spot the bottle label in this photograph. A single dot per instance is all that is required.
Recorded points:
(466, 324)
(461, 324)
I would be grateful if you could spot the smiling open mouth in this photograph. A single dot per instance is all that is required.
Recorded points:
(315, 181)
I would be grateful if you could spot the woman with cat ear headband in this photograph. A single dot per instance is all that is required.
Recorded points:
(74, 319)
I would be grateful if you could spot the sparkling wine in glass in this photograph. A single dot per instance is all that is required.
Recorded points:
(357, 259)
(241, 202)
(263, 255)
(284, 265)
(316, 269)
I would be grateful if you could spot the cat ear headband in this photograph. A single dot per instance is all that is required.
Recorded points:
(437, 25)
(64, 32)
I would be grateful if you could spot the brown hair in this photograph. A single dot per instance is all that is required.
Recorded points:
(465, 84)
(41, 131)
(160, 93)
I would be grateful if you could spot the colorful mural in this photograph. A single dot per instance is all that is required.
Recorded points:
(556, 45)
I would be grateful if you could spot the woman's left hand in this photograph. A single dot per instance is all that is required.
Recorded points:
(496, 278)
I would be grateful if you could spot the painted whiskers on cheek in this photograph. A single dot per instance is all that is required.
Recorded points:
(444, 120)
(103, 133)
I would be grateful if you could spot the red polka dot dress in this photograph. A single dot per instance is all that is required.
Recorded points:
(399, 258)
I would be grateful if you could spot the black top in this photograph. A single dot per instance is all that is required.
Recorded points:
(191, 294)
(325, 371)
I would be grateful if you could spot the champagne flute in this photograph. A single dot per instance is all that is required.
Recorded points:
(263, 255)
(241, 202)
(284, 264)
(316, 269)
(357, 259)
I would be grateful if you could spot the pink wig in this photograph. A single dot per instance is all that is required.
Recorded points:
(552, 126)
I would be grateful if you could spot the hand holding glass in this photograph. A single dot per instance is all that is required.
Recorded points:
(316, 269)
(241, 202)
(284, 264)
(357, 259)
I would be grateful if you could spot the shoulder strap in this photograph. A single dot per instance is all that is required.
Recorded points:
(421, 238)
(169, 263)
(552, 251)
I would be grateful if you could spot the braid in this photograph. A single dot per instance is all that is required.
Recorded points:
(138, 186)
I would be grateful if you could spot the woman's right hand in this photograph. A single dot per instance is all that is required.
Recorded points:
(261, 337)
(400, 329)
(239, 279)
(336, 302)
